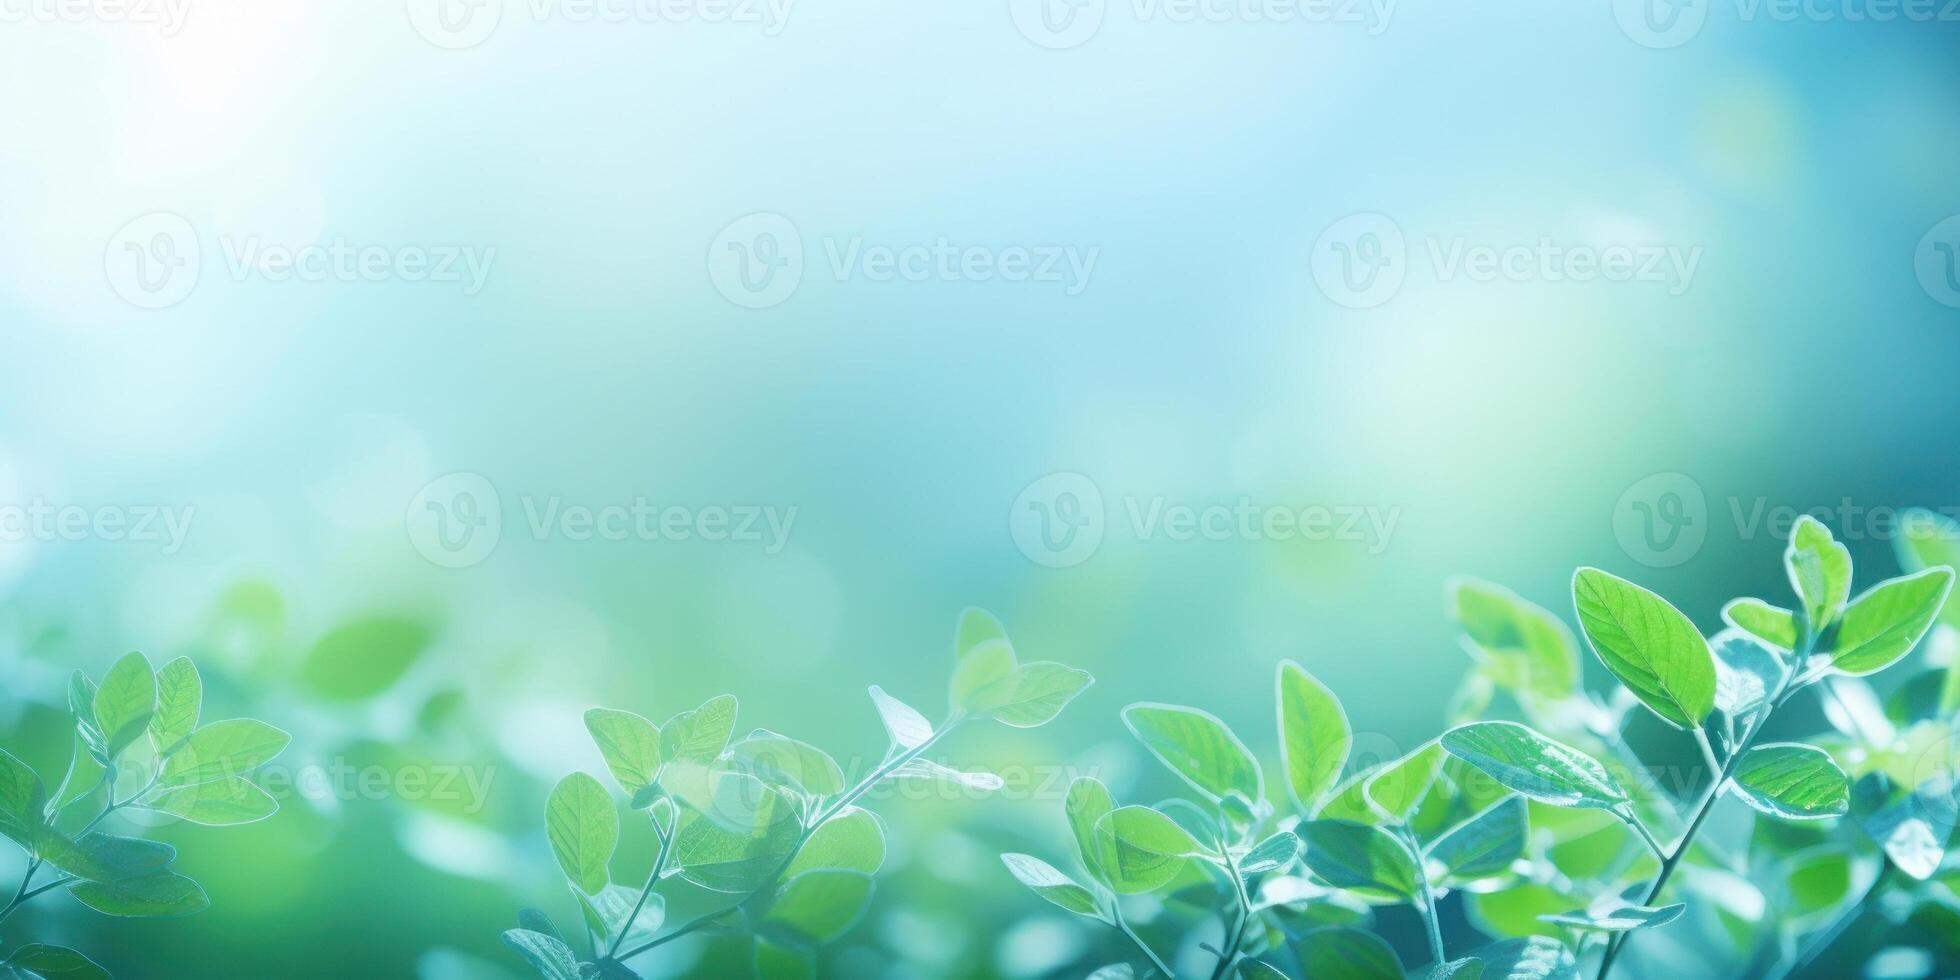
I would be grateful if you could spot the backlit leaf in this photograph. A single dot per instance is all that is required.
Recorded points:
(1793, 782)
(1314, 736)
(582, 823)
(1198, 747)
(1649, 645)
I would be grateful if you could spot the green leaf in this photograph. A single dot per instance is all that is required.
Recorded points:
(1649, 645)
(21, 798)
(56, 963)
(737, 859)
(613, 908)
(1531, 958)
(908, 729)
(1792, 782)
(1029, 697)
(1522, 645)
(1527, 762)
(932, 772)
(699, 735)
(1314, 736)
(1057, 888)
(222, 750)
(158, 896)
(1773, 625)
(180, 697)
(1485, 845)
(1615, 915)
(101, 857)
(1930, 540)
(776, 961)
(1271, 854)
(630, 745)
(1141, 849)
(361, 659)
(1913, 825)
(1820, 571)
(546, 954)
(819, 906)
(780, 760)
(1340, 953)
(850, 841)
(981, 656)
(1087, 800)
(1198, 747)
(81, 704)
(1746, 672)
(1394, 790)
(1885, 623)
(125, 702)
(583, 825)
(537, 921)
(1360, 858)
(227, 802)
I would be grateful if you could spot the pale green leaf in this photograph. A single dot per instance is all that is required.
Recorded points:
(1885, 623)
(1314, 736)
(630, 745)
(1271, 854)
(1198, 747)
(850, 841)
(699, 735)
(21, 797)
(546, 954)
(1773, 625)
(1057, 888)
(1141, 849)
(582, 823)
(1530, 958)
(222, 750)
(1912, 824)
(908, 728)
(360, 659)
(1649, 645)
(227, 802)
(125, 702)
(1614, 915)
(1394, 790)
(1930, 540)
(180, 698)
(1792, 781)
(926, 770)
(1087, 800)
(736, 859)
(1526, 648)
(1523, 760)
(819, 906)
(1029, 697)
(1746, 672)
(780, 760)
(1820, 571)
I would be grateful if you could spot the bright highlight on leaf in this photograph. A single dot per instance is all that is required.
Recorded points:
(1792, 781)
(1314, 736)
(1198, 747)
(1649, 645)
(1523, 760)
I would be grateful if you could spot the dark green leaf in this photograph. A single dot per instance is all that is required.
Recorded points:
(1359, 858)
(56, 963)
(1485, 845)
(549, 956)
(1338, 953)
(777, 961)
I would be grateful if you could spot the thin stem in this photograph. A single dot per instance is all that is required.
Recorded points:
(1230, 954)
(659, 865)
(1707, 751)
(1116, 914)
(1429, 917)
(701, 921)
(21, 896)
(1645, 835)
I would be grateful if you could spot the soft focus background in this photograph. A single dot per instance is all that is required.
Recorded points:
(937, 438)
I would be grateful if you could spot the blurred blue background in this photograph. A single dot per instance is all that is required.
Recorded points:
(1511, 426)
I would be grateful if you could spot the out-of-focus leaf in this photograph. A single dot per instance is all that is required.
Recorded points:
(155, 896)
(1057, 888)
(1523, 646)
(818, 906)
(1338, 953)
(180, 698)
(582, 823)
(223, 750)
(226, 802)
(777, 961)
(21, 797)
(1533, 958)
(1913, 825)
(359, 660)
(779, 760)
(850, 841)
(1617, 916)
(549, 956)
(125, 702)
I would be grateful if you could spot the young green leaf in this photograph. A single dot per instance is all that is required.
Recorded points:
(180, 698)
(1792, 782)
(700, 734)
(1529, 763)
(360, 659)
(1394, 790)
(547, 954)
(1820, 571)
(1930, 540)
(1314, 736)
(908, 729)
(227, 802)
(158, 896)
(125, 702)
(981, 656)
(1057, 888)
(1773, 625)
(1360, 858)
(1141, 849)
(850, 841)
(1271, 854)
(1746, 672)
(1913, 825)
(1485, 845)
(1885, 623)
(21, 797)
(819, 906)
(1087, 800)
(1029, 697)
(1649, 645)
(780, 760)
(1526, 648)
(737, 859)
(583, 825)
(1198, 747)
(1341, 953)
(101, 857)
(81, 704)
(222, 750)
(1616, 916)
(54, 963)
(630, 745)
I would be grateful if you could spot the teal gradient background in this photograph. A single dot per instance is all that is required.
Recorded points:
(1501, 423)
